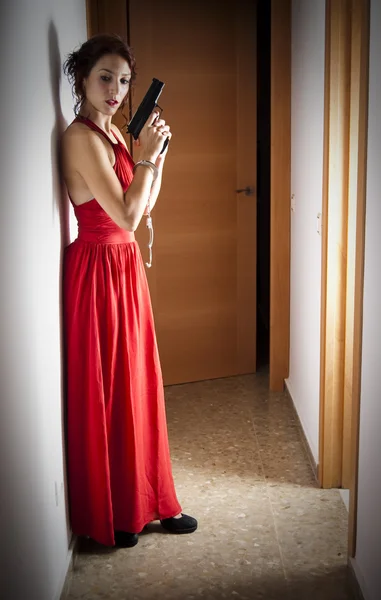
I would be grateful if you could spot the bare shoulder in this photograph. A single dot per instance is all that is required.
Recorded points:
(77, 133)
(79, 141)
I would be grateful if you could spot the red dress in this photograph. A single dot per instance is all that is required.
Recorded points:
(119, 469)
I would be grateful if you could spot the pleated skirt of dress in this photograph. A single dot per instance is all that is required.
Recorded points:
(119, 468)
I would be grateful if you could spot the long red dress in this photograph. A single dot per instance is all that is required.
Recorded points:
(119, 469)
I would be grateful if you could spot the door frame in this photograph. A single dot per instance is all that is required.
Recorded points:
(344, 194)
(280, 183)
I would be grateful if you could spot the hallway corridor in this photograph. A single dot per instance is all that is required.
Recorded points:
(266, 530)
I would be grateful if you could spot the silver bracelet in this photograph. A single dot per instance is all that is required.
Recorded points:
(155, 171)
(151, 165)
(150, 243)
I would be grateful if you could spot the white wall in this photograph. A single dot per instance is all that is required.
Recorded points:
(35, 37)
(307, 114)
(367, 561)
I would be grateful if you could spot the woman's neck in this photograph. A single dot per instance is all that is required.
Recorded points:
(103, 121)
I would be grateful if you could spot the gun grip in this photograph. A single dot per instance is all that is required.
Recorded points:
(165, 145)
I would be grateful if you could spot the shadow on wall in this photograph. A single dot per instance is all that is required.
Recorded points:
(61, 205)
(60, 197)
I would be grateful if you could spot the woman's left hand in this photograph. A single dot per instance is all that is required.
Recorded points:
(161, 157)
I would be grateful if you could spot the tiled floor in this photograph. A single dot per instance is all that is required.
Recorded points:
(265, 528)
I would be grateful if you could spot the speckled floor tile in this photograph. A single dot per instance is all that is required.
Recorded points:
(323, 514)
(266, 530)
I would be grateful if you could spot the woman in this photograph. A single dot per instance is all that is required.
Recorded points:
(119, 468)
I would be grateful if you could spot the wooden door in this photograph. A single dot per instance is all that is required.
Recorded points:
(203, 279)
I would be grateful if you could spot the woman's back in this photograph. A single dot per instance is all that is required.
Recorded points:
(77, 187)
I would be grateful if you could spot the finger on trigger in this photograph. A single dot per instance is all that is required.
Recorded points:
(155, 115)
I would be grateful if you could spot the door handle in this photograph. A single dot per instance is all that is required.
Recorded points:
(248, 190)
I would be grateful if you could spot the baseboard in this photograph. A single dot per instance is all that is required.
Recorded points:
(314, 465)
(357, 585)
(65, 587)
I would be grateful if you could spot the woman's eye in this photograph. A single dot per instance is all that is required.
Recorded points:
(125, 81)
(105, 78)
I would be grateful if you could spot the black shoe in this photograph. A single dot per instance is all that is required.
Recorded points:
(123, 539)
(184, 524)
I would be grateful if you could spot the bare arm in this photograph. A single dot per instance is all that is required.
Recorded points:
(155, 190)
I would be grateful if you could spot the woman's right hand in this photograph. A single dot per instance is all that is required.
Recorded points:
(152, 137)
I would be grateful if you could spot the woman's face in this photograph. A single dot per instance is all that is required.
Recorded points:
(108, 83)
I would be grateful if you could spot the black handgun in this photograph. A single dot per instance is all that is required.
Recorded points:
(144, 110)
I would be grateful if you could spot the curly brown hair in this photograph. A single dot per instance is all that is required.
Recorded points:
(79, 63)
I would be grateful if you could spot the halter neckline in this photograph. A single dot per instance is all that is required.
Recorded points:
(96, 127)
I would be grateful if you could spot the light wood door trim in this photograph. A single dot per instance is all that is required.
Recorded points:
(324, 243)
(346, 90)
(355, 219)
(360, 74)
(280, 192)
(334, 241)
